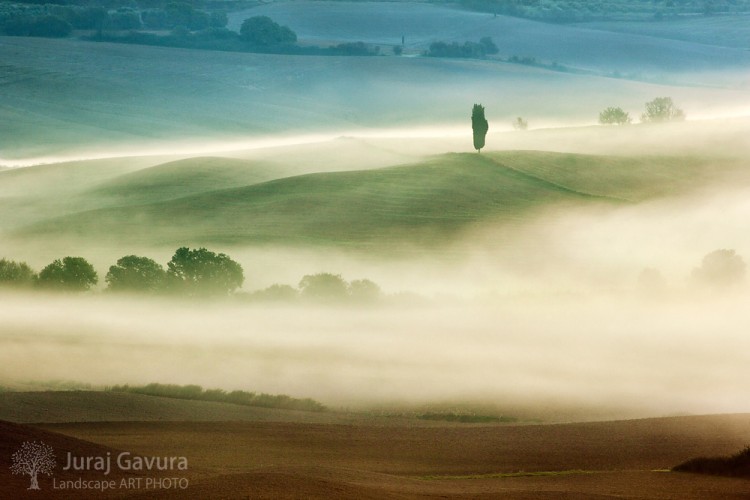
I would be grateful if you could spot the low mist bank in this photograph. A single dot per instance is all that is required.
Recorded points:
(658, 358)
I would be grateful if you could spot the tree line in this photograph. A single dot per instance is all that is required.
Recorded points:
(198, 393)
(659, 110)
(190, 272)
(56, 21)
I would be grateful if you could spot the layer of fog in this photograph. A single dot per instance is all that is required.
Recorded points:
(678, 357)
(550, 312)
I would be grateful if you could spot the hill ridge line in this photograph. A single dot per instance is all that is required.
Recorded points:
(559, 186)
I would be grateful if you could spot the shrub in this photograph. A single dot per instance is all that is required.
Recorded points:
(614, 116)
(469, 50)
(737, 465)
(196, 392)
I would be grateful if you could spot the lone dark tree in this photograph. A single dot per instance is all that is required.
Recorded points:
(71, 273)
(614, 116)
(662, 109)
(32, 459)
(135, 274)
(202, 272)
(479, 126)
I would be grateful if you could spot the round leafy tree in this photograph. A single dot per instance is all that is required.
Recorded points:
(614, 116)
(135, 274)
(71, 273)
(263, 31)
(17, 274)
(202, 272)
(364, 290)
(662, 109)
(324, 286)
(720, 268)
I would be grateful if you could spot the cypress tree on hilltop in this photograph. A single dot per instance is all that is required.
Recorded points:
(479, 126)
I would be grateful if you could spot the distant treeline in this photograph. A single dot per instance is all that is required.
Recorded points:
(465, 418)
(191, 272)
(222, 39)
(50, 20)
(197, 393)
(567, 11)
(467, 50)
(186, 27)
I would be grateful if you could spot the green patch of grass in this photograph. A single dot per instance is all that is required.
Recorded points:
(503, 475)
(424, 203)
(427, 203)
(182, 178)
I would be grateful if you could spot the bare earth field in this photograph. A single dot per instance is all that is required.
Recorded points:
(620, 459)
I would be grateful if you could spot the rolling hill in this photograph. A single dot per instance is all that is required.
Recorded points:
(419, 203)
(422, 203)
(183, 178)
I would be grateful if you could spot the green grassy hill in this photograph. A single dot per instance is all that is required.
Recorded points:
(182, 178)
(424, 203)
(32, 193)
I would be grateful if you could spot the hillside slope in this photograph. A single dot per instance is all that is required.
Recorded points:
(424, 203)
(420, 203)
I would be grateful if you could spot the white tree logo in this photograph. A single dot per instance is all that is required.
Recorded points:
(33, 458)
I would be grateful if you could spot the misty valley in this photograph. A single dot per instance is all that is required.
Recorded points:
(375, 249)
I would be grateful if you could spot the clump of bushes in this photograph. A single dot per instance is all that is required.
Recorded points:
(464, 418)
(323, 288)
(737, 465)
(196, 392)
(467, 50)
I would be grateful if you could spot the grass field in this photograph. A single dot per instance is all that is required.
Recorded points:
(429, 202)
